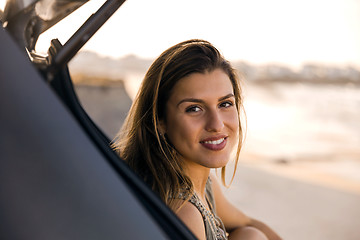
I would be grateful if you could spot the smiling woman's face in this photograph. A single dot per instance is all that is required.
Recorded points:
(202, 119)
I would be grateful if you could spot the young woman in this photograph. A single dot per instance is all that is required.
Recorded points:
(184, 122)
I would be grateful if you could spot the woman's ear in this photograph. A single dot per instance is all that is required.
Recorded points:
(162, 127)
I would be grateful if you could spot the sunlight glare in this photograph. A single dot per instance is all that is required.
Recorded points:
(68, 26)
(255, 31)
(2, 5)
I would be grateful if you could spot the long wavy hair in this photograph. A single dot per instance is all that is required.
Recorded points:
(139, 142)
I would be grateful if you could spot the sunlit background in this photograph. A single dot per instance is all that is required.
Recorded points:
(299, 60)
(257, 31)
(296, 123)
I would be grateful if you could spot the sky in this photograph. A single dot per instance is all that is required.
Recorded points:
(287, 32)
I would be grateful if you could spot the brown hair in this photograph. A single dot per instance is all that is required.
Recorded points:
(139, 142)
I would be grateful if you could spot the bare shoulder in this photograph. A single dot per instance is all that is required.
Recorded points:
(220, 199)
(231, 216)
(235, 220)
(192, 218)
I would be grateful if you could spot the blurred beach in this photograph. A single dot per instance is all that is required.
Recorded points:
(305, 131)
(299, 168)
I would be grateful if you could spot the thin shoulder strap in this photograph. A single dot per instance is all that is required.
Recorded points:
(194, 199)
(210, 195)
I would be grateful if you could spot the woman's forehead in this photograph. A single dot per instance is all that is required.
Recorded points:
(212, 84)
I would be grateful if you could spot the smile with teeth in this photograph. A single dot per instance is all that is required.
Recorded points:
(215, 142)
(214, 145)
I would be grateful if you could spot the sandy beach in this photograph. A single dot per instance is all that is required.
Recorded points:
(297, 209)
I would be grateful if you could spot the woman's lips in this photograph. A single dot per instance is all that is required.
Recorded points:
(214, 144)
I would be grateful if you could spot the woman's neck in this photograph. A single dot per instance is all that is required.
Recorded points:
(198, 176)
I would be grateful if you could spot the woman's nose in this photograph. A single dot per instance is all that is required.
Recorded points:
(214, 122)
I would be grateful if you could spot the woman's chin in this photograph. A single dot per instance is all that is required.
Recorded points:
(218, 163)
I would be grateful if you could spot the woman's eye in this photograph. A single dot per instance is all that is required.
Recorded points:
(193, 109)
(226, 104)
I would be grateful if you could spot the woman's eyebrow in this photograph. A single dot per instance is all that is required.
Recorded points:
(226, 97)
(190, 100)
(195, 100)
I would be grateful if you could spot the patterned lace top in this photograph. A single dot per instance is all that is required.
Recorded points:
(214, 227)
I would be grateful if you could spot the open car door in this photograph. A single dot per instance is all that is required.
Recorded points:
(59, 179)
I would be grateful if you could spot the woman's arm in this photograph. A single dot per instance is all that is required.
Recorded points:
(233, 218)
(270, 234)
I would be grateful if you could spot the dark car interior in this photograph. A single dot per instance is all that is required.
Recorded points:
(59, 177)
